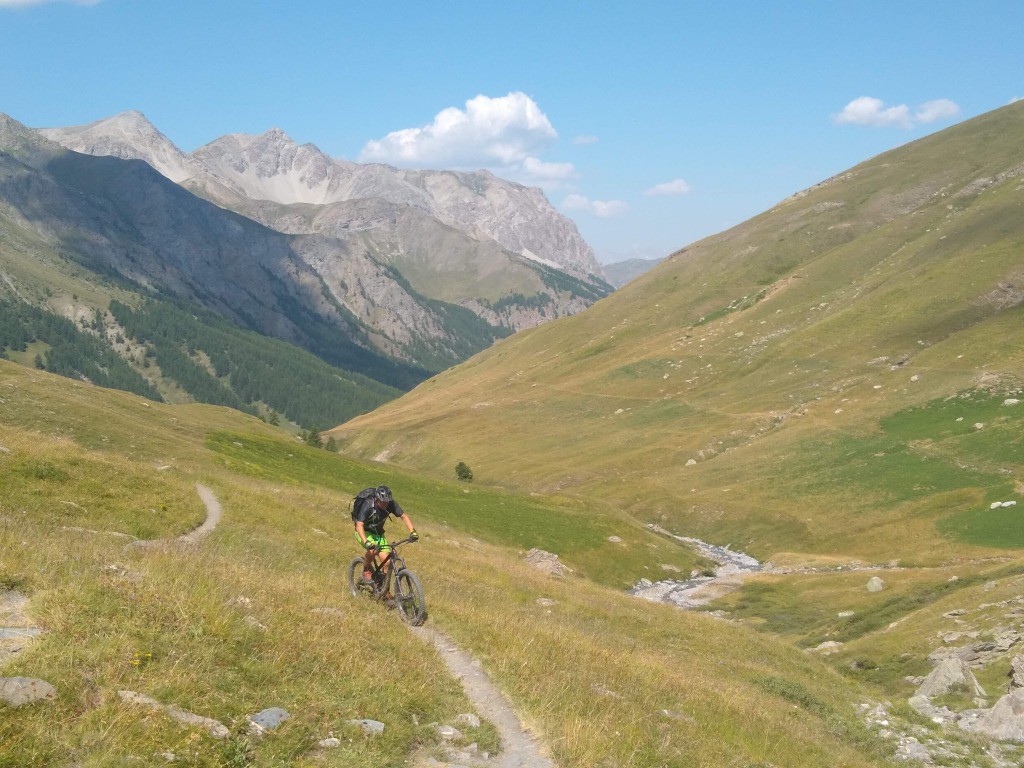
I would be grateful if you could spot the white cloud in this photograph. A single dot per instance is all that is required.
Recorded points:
(939, 109)
(501, 132)
(25, 3)
(604, 209)
(585, 140)
(870, 111)
(539, 171)
(674, 187)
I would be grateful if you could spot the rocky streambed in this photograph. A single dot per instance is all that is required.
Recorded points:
(700, 589)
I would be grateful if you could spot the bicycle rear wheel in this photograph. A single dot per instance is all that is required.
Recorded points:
(409, 600)
(357, 586)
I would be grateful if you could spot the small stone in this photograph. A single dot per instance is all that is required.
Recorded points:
(329, 743)
(912, 749)
(829, 646)
(615, 539)
(369, 727)
(270, 718)
(449, 733)
(691, 462)
(546, 602)
(468, 720)
(844, 614)
(1011, 401)
(875, 584)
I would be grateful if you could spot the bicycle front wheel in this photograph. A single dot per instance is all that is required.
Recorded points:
(356, 584)
(409, 600)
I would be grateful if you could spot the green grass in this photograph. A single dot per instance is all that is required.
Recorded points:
(805, 608)
(579, 535)
(183, 625)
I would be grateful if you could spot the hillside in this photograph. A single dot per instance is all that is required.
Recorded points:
(833, 387)
(783, 386)
(104, 605)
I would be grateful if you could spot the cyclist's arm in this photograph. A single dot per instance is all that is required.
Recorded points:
(408, 521)
(361, 531)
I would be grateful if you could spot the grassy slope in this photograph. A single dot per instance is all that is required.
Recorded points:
(769, 354)
(590, 673)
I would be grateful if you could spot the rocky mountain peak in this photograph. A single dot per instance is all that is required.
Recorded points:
(128, 135)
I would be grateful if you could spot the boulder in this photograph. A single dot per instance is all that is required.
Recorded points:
(18, 691)
(1005, 721)
(875, 584)
(950, 673)
(546, 562)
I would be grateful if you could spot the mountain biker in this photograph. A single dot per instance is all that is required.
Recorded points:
(370, 517)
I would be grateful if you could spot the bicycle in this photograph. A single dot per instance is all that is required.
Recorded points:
(408, 594)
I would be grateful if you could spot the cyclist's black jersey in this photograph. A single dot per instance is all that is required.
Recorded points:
(373, 519)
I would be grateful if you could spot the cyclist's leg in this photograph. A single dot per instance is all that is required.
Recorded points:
(385, 552)
(380, 547)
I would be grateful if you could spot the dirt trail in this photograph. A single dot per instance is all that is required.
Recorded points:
(213, 514)
(518, 748)
(196, 535)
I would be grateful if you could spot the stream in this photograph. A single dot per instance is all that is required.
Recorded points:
(699, 590)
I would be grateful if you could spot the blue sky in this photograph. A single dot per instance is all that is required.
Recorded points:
(650, 124)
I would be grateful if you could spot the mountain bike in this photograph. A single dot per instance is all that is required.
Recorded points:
(408, 592)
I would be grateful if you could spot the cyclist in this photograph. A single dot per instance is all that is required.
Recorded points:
(370, 516)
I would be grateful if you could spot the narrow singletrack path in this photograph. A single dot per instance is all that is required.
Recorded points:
(196, 535)
(518, 748)
(213, 515)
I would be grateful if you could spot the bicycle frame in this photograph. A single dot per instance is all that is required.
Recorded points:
(397, 562)
(408, 596)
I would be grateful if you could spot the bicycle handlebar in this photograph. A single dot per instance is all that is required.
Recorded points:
(396, 543)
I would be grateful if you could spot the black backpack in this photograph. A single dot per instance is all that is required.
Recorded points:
(363, 495)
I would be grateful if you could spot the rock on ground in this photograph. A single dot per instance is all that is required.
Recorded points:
(18, 691)
(1005, 721)
(950, 673)
(546, 562)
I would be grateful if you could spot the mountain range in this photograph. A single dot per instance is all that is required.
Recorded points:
(466, 238)
(385, 275)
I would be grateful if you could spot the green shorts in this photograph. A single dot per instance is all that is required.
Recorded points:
(377, 539)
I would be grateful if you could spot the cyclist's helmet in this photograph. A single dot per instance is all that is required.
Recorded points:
(383, 494)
